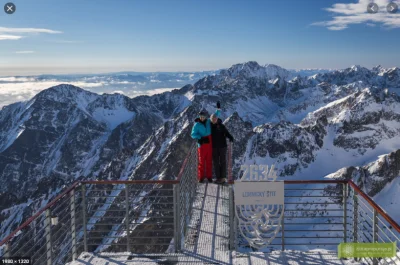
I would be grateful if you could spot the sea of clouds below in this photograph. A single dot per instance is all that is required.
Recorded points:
(16, 89)
(21, 88)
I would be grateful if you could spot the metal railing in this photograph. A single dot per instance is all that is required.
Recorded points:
(133, 216)
(139, 216)
(322, 214)
(95, 216)
(48, 236)
(144, 216)
(370, 223)
(185, 194)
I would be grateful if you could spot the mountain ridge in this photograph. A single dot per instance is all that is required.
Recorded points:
(293, 121)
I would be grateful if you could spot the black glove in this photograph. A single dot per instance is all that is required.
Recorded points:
(205, 140)
(218, 105)
(231, 140)
(200, 141)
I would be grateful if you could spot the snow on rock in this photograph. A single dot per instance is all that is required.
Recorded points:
(388, 198)
(309, 126)
(113, 117)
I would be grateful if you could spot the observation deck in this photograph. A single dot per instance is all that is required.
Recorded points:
(184, 222)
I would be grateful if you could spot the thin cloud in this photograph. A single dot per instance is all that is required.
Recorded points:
(10, 37)
(24, 52)
(23, 32)
(350, 14)
(28, 30)
(66, 41)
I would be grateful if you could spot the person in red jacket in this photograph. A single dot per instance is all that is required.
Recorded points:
(201, 132)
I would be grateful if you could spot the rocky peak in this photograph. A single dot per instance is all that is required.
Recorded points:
(67, 95)
(64, 92)
(377, 69)
(374, 176)
(253, 69)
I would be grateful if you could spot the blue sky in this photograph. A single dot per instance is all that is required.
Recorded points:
(69, 36)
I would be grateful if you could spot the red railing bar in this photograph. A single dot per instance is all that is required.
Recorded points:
(73, 186)
(230, 181)
(308, 181)
(185, 162)
(30, 220)
(375, 206)
(315, 181)
(98, 182)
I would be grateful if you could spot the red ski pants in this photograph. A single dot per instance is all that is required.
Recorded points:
(204, 169)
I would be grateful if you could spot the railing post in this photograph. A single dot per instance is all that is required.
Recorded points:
(355, 218)
(345, 212)
(73, 224)
(127, 223)
(235, 228)
(177, 230)
(7, 249)
(375, 227)
(375, 233)
(231, 219)
(48, 237)
(283, 229)
(185, 214)
(84, 218)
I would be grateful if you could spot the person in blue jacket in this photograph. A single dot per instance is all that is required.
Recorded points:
(201, 132)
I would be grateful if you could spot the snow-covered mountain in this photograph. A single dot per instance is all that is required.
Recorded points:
(380, 179)
(310, 72)
(308, 126)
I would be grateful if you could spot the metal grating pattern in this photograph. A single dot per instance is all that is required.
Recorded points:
(208, 232)
(291, 258)
(207, 241)
(255, 258)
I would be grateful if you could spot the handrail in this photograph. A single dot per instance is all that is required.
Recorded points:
(185, 162)
(177, 181)
(310, 181)
(375, 206)
(73, 186)
(30, 220)
(315, 181)
(130, 182)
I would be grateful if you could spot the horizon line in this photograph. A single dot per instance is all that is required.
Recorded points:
(30, 71)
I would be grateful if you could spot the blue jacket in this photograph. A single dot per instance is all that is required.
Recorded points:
(200, 130)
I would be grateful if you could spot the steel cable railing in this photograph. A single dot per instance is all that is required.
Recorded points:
(153, 217)
(185, 194)
(376, 225)
(43, 237)
(311, 219)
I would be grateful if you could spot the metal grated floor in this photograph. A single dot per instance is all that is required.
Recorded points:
(207, 241)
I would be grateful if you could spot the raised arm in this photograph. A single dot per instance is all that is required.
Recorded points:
(218, 110)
